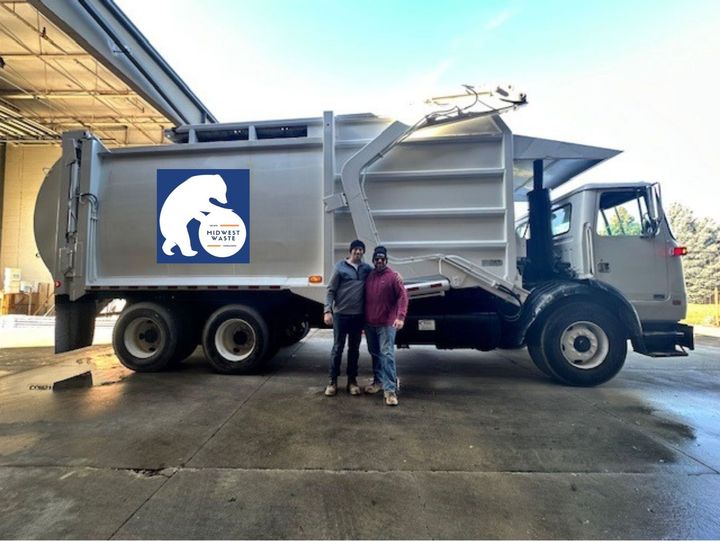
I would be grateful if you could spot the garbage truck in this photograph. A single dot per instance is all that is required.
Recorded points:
(227, 236)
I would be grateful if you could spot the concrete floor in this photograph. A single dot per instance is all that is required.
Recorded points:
(481, 446)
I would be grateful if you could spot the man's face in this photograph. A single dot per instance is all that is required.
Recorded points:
(356, 255)
(380, 262)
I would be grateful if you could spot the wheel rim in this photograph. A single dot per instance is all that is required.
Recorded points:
(143, 337)
(584, 345)
(298, 329)
(235, 340)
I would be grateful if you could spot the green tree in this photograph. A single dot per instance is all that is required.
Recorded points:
(621, 222)
(701, 265)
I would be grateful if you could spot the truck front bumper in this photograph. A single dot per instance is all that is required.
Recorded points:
(667, 340)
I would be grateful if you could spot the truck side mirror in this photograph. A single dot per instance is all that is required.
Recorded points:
(649, 226)
(654, 202)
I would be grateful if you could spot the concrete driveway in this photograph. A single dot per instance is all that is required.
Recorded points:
(481, 446)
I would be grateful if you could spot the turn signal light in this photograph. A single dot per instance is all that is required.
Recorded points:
(315, 279)
(58, 284)
(679, 251)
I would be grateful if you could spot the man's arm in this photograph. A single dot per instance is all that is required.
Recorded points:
(401, 303)
(332, 288)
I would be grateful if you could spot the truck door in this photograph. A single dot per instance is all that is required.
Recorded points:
(627, 252)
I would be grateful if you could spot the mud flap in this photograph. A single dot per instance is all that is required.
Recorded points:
(74, 323)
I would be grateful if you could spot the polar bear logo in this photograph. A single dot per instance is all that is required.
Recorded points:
(188, 201)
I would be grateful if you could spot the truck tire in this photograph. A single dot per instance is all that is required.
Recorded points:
(235, 340)
(145, 337)
(294, 332)
(538, 358)
(581, 344)
(189, 338)
(186, 347)
(272, 350)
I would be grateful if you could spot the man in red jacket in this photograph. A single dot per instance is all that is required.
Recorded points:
(386, 305)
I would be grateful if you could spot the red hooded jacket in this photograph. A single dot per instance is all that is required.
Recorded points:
(385, 298)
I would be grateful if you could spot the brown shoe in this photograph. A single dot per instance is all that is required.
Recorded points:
(391, 399)
(353, 388)
(373, 388)
(331, 389)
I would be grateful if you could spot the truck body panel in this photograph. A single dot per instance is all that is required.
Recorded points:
(445, 190)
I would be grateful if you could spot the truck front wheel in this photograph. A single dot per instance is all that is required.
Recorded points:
(581, 345)
(145, 337)
(235, 340)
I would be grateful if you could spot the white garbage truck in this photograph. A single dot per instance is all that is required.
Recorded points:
(227, 237)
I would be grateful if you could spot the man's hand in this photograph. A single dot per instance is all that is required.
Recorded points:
(398, 324)
(328, 319)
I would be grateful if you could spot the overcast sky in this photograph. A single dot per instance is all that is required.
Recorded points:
(640, 76)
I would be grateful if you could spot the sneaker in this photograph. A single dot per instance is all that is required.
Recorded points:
(353, 388)
(331, 389)
(391, 399)
(373, 388)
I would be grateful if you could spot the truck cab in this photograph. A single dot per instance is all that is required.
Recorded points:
(618, 235)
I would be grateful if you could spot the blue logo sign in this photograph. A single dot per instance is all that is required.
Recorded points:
(203, 216)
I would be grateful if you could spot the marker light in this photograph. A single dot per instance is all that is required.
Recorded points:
(315, 279)
(679, 251)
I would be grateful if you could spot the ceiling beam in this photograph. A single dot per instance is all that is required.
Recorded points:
(102, 29)
(49, 55)
(59, 119)
(65, 94)
(61, 70)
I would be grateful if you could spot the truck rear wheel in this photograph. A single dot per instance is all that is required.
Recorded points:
(145, 337)
(293, 332)
(235, 340)
(190, 336)
(186, 347)
(581, 345)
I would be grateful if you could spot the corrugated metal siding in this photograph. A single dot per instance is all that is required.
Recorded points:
(25, 169)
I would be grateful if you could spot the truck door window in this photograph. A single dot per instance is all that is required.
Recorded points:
(621, 213)
(560, 220)
(523, 230)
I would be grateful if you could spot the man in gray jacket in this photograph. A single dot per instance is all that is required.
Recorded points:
(345, 311)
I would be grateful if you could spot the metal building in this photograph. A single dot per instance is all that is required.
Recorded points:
(72, 65)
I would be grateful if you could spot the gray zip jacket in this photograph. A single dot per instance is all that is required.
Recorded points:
(346, 290)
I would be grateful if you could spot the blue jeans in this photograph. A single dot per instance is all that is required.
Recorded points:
(346, 327)
(381, 345)
(374, 355)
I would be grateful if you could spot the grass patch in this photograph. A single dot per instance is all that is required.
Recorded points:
(703, 315)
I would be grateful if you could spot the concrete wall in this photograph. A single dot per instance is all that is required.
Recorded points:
(25, 169)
